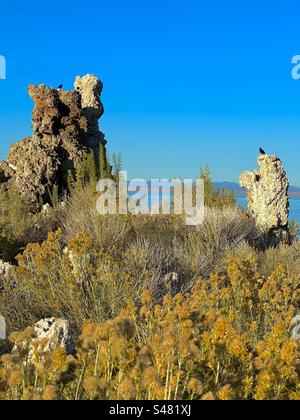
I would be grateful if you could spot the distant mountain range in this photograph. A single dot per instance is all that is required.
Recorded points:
(230, 186)
(234, 186)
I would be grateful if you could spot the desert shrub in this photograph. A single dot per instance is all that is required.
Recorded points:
(223, 228)
(159, 309)
(294, 230)
(20, 223)
(287, 255)
(76, 282)
(171, 246)
(268, 260)
(150, 254)
(229, 338)
(214, 197)
(201, 249)
(107, 232)
(14, 223)
(115, 259)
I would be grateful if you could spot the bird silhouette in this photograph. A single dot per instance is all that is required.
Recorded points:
(60, 87)
(262, 151)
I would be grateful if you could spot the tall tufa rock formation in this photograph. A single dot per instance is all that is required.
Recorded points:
(65, 129)
(268, 199)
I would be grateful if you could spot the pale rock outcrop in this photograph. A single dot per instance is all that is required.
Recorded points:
(46, 209)
(268, 199)
(48, 335)
(90, 88)
(5, 268)
(295, 333)
(65, 129)
(56, 332)
(2, 328)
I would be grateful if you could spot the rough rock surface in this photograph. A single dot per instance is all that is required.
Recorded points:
(56, 332)
(5, 267)
(295, 333)
(65, 129)
(90, 88)
(268, 199)
(49, 335)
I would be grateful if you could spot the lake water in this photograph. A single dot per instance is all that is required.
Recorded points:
(294, 206)
(154, 199)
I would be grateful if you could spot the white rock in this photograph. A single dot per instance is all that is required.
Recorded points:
(90, 88)
(55, 333)
(268, 199)
(5, 267)
(46, 208)
(295, 334)
(13, 167)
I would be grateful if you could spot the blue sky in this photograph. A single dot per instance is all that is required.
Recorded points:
(185, 83)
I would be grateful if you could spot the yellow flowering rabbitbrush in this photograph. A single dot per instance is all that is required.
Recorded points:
(227, 338)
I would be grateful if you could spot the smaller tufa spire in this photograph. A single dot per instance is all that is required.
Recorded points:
(268, 199)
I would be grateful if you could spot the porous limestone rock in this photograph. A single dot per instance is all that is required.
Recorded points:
(48, 335)
(5, 268)
(6, 172)
(90, 88)
(295, 333)
(268, 199)
(45, 209)
(65, 129)
(56, 332)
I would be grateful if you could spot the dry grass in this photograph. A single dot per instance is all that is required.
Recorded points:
(20, 224)
(229, 338)
(173, 311)
(94, 264)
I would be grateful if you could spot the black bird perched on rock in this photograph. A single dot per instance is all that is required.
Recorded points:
(262, 151)
(60, 87)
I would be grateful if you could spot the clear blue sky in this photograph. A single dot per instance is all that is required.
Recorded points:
(185, 82)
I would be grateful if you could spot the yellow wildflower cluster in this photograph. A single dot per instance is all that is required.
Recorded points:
(227, 338)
